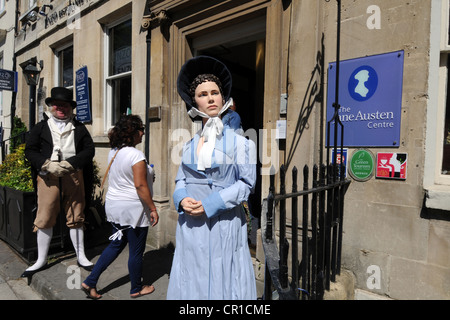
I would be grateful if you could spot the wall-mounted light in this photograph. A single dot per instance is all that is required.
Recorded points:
(43, 9)
(32, 16)
(31, 73)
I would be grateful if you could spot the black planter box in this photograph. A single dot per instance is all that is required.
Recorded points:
(2, 213)
(19, 214)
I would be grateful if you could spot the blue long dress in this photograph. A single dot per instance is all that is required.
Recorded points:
(212, 258)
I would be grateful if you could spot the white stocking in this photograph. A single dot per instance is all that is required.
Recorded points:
(77, 237)
(44, 237)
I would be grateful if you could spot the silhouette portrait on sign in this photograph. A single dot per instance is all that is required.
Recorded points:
(362, 77)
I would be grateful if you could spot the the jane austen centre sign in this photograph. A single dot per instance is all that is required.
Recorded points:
(370, 96)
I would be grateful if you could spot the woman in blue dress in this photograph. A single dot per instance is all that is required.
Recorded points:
(217, 172)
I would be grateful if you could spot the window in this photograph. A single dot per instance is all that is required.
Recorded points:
(444, 99)
(118, 71)
(446, 144)
(64, 60)
(1, 91)
(445, 63)
(437, 156)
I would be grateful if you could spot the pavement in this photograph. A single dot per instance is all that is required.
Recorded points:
(62, 279)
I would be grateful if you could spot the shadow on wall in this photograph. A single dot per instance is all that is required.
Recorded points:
(313, 95)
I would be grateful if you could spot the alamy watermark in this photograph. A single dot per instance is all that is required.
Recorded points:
(374, 280)
(374, 21)
(73, 17)
(74, 279)
(264, 140)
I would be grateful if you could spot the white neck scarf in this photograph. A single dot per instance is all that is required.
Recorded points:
(211, 130)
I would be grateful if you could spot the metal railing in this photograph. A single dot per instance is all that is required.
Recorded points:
(320, 207)
(321, 203)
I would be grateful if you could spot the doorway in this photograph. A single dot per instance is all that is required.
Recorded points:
(246, 63)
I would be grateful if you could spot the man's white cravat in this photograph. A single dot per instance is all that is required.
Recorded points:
(213, 127)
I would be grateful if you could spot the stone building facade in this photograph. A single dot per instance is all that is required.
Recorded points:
(396, 231)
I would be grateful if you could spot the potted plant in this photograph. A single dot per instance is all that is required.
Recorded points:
(14, 171)
(18, 201)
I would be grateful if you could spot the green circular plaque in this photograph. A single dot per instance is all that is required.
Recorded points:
(362, 165)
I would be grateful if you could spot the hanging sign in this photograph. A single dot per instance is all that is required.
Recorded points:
(370, 99)
(82, 95)
(361, 165)
(391, 165)
(8, 80)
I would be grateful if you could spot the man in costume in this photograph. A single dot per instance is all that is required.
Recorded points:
(60, 150)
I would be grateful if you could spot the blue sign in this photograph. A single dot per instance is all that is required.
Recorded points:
(82, 95)
(370, 96)
(8, 80)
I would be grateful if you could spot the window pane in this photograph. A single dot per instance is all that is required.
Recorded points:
(120, 54)
(446, 157)
(1, 92)
(66, 67)
(121, 97)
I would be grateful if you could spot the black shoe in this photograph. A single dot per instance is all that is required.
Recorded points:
(87, 268)
(29, 274)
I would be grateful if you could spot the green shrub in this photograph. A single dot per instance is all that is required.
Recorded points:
(19, 129)
(15, 171)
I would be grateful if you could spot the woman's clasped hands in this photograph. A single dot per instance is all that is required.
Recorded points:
(192, 207)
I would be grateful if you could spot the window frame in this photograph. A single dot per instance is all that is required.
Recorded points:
(58, 68)
(1, 91)
(436, 184)
(107, 87)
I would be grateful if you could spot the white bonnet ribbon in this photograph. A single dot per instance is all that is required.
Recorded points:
(211, 130)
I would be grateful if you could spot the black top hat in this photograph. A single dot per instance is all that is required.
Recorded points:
(62, 94)
(202, 65)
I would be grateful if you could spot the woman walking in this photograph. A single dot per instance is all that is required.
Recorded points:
(129, 205)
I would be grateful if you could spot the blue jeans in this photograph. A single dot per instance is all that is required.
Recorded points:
(136, 238)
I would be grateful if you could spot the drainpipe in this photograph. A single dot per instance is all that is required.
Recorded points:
(148, 41)
(150, 20)
(14, 67)
(336, 101)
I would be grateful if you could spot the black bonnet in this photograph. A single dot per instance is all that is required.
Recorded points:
(202, 65)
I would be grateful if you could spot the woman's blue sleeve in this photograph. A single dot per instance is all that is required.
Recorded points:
(180, 189)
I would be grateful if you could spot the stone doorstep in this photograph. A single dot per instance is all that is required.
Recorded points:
(343, 288)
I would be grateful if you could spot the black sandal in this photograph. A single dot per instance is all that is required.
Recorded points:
(88, 289)
(140, 294)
